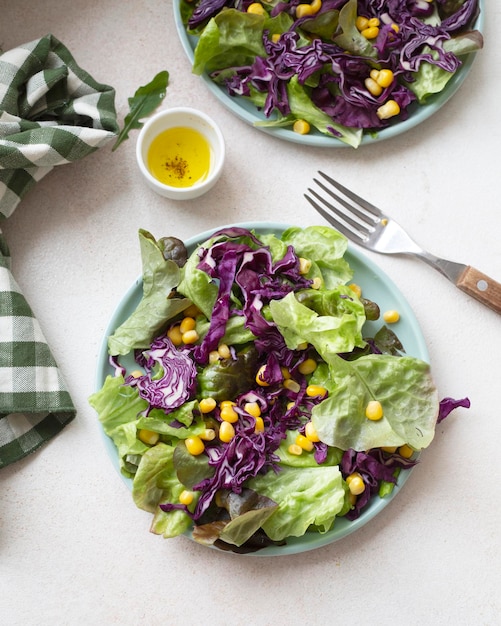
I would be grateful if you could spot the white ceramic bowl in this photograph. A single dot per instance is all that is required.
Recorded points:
(188, 118)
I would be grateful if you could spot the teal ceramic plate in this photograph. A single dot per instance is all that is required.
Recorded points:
(246, 111)
(377, 287)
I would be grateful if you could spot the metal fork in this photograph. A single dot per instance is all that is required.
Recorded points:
(365, 224)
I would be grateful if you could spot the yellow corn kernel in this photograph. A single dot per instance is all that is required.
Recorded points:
(148, 436)
(285, 373)
(259, 377)
(317, 283)
(304, 443)
(301, 127)
(224, 351)
(187, 323)
(275, 37)
(373, 87)
(374, 410)
(256, 8)
(355, 484)
(304, 265)
(226, 432)
(352, 498)
(194, 445)
(406, 451)
(350, 477)
(290, 405)
(313, 391)
(209, 434)
(292, 385)
(310, 432)
(371, 32)
(136, 374)
(308, 366)
(357, 290)
(192, 311)
(190, 336)
(390, 317)
(228, 414)
(389, 109)
(395, 27)
(186, 497)
(252, 408)
(302, 346)
(390, 449)
(385, 78)
(295, 449)
(175, 335)
(259, 426)
(304, 10)
(374, 21)
(207, 405)
(361, 22)
(214, 356)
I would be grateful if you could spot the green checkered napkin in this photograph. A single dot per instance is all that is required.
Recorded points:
(51, 112)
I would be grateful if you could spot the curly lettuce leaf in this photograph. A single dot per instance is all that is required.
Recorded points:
(338, 329)
(156, 482)
(326, 248)
(117, 406)
(306, 496)
(231, 39)
(160, 277)
(431, 79)
(404, 387)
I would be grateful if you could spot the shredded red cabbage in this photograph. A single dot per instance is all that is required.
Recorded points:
(170, 376)
(449, 404)
(341, 92)
(260, 280)
(373, 466)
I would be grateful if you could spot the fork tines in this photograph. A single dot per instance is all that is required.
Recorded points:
(357, 218)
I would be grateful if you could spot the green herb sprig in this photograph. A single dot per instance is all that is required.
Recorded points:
(146, 99)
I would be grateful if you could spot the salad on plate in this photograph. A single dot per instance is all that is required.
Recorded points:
(344, 69)
(245, 399)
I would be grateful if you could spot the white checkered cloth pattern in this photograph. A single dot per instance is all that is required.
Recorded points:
(51, 112)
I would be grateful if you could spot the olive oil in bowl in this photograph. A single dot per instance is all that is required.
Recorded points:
(179, 157)
(180, 153)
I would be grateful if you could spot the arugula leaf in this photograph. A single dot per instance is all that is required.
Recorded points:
(146, 99)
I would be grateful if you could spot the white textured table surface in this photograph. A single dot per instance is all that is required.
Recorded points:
(73, 547)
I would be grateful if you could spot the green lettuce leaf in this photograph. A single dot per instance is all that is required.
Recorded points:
(431, 79)
(117, 406)
(307, 459)
(338, 330)
(326, 248)
(407, 394)
(230, 39)
(156, 482)
(306, 496)
(160, 277)
(350, 38)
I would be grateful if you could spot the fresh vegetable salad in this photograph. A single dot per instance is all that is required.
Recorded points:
(256, 408)
(339, 67)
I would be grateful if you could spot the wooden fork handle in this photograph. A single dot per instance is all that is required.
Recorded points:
(481, 287)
